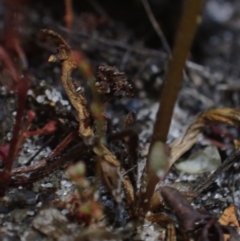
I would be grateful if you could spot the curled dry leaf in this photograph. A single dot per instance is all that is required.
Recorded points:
(84, 115)
(227, 116)
(229, 216)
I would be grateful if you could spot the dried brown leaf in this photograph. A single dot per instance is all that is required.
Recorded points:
(227, 116)
(112, 179)
(186, 215)
(229, 217)
(80, 104)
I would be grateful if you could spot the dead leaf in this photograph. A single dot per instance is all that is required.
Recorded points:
(205, 160)
(229, 217)
(112, 179)
(227, 116)
(186, 215)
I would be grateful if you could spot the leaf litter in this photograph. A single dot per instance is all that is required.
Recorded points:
(226, 116)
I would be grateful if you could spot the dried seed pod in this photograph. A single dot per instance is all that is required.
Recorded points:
(186, 215)
(112, 84)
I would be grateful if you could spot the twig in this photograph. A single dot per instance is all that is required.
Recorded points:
(23, 176)
(156, 26)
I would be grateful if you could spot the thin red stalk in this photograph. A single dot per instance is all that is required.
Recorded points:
(21, 97)
(23, 176)
(62, 145)
(22, 136)
(5, 57)
(49, 128)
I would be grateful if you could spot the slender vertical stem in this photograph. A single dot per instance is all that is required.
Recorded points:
(156, 27)
(173, 80)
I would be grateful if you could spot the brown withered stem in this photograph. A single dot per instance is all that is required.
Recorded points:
(173, 79)
(170, 91)
(85, 131)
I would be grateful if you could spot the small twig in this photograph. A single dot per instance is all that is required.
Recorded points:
(156, 26)
(23, 176)
(67, 140)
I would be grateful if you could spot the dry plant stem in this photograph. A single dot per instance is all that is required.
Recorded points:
(176, 66)
(77, 99)
(156, 26)
(79, 103)
(62, 144)
(170, 91)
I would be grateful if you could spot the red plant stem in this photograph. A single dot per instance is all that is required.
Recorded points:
(62, 144)
(22, 137)
(6, 59)
(69, 13)
(49, 128)
(23, 176)
(21, 94)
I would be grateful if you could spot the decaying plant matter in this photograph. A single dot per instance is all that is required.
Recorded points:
(227, 116)
(112, 174)
(106, 158)
(141, 202)
(110, 83)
